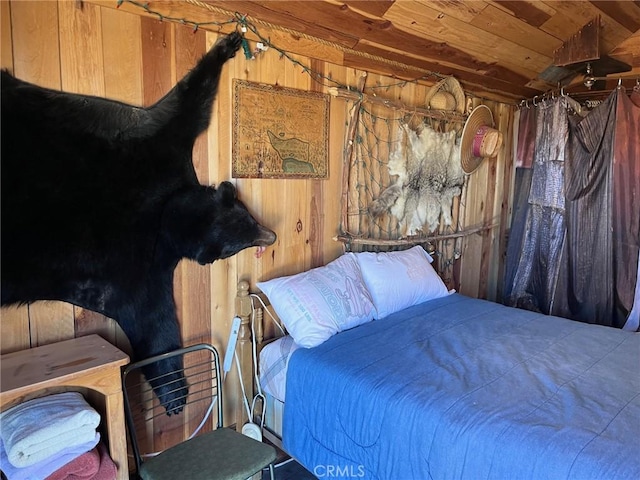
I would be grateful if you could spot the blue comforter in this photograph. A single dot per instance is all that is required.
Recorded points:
(465, 388)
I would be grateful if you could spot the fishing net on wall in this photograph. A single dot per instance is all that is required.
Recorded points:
(405, 185)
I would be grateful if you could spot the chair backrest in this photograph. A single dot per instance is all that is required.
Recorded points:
(151, 428)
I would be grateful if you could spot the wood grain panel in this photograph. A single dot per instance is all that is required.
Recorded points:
(505, 120)
(500, 39)
(122, 46)
(82, 68)
(290, 42)
(173, 11)
(364, 27)
(492, 19)
(299, 192)
(504, 83)
(341, 111)
(88, 322)
(464, 37)
(465, 11)
(316, 201)
(219, 141)
(435, 58)
(6, 43)
(626, 14)
(34, 28)
(15, 329)
(50, 322)
(303, 17)
(360, 62)
(156, 59)
(629, 51)
(471, 257)
(534, 13)
(572, 16)
(488, 236)
(283, 39)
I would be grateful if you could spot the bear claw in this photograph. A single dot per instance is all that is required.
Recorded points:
(232, 43)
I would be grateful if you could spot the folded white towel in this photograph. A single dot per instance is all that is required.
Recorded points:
(37, 429)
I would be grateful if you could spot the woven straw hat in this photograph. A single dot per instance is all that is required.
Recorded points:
(479, 139)
(447, 94)
(443, 101)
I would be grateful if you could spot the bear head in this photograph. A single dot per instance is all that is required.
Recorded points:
(207, 224)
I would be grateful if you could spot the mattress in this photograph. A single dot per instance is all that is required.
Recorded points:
(464, 388)
(274, 360)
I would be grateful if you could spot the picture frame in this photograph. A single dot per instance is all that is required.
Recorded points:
(279, 132)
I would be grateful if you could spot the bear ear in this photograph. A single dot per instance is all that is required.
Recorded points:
(227, 192)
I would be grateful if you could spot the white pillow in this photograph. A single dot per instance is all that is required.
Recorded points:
(397, 280)
(321, 302)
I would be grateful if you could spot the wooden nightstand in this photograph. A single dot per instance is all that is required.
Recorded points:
(90, 365)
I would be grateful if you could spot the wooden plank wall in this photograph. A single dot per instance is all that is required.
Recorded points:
(93, 48)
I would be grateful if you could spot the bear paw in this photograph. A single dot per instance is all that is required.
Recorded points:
(230, 44)
(168, 383)
(173, 396)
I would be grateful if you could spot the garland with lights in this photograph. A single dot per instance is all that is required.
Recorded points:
(246, 23)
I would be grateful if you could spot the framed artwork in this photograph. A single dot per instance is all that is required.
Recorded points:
(279, 132)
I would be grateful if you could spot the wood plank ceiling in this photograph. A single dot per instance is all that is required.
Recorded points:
(497, 49)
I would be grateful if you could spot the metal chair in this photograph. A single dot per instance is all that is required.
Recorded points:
(193, 445)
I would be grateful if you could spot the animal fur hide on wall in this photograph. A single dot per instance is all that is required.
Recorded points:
(428, 174)
(100, 201)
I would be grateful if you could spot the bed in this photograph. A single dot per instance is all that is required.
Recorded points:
(455, 387)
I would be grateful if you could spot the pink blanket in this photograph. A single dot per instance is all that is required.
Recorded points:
(93, 465)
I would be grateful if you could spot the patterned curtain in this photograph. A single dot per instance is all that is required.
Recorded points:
(577, 255)
(536, 255)
(626, 208)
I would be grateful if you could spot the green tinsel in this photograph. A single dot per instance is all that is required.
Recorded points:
(247, 49)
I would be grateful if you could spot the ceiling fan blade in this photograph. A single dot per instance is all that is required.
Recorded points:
(607, 65)
(600, 68)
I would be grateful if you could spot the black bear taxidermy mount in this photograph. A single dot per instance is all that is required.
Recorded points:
(100, 201)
